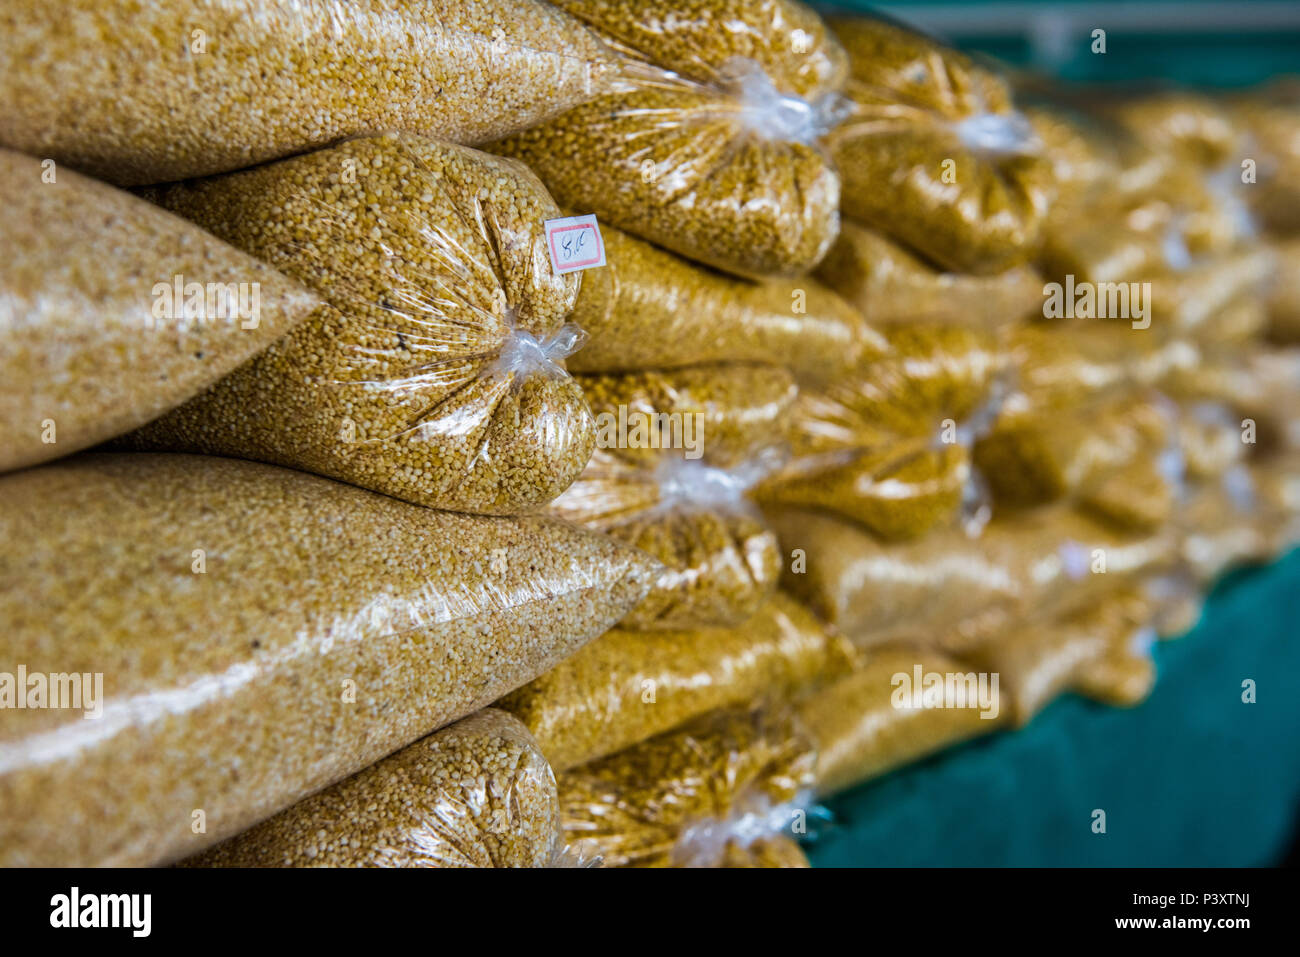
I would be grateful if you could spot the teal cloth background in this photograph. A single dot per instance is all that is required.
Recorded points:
(1192, 777)
(1211, 57)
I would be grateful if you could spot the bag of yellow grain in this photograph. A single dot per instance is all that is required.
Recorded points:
(245, 635)
(1271, 118)
(1260, 385)
(1277, 483)
(889, 445)
(227, 84)
(1061, 367)
(1283, 301)
(948, 590)
(891, 286)
(630, 685)
(1103, 651)
(650, 309)
(1223, 525)
(679, 451)
(892, 711)
(434, 371)
(708, 143)
(692, 797)
(1116, 458)
(934, 153)
(478, 793)
(1165, 218)
(113, 311)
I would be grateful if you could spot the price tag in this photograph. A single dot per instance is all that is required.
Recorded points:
(575, 243)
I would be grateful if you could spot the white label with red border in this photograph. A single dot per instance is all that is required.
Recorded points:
(575, 243)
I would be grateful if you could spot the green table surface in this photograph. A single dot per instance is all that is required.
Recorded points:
(1192, 777)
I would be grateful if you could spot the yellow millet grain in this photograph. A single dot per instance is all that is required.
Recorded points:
(859, 733)
(1037, 661)
(890, 286)
(1260, 384)
(1064, 366)
(948, 590)
(1271, 118)
(1276, 480)
(1208, 438)
(261, 633)
(1219, 528)
(898, 492)
(91, 349)
(151, 92)
(720, 565)
(1106, 453)
(720, 561)
(742, 408)
(628, 685)
(674, 799)
(650, 309)
(930, 377)
(432, 259)
(1192, 127)
(913, 167)
(689, 152)
(1284, 295)
(476, 794)
(1083, 151)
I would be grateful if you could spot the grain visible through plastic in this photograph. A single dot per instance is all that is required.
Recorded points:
(435, 373)
(95, 344)
(650, 309)
(628, 685)
(476, 794)
(261, 633)
(140, 93)
(707, 146)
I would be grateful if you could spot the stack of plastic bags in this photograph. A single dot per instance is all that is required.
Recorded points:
(896, 403)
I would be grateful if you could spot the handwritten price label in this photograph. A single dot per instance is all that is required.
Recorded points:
(575, 243)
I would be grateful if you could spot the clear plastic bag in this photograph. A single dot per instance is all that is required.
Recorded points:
(893, 287)
(692, 797)
(1276, 479)
(95, 346)
(679, 451)
(258, 633)
(1271, 118)
(720, 560)
(478, 793)
(866, 724)
(721, 414)
(1261, 387)
(934, 153)
(1222, 526)
(1154, 214)
(1283, 299)
(1193, 128)
(435, 373)
(227, 84)
(708, 145)
(1115, 457)
(889, 446)
(930, 379)
(898, 493)
(628, 685)
(949, 590)
(1063, 367)
(1103, 650)
(650, 309)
